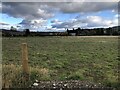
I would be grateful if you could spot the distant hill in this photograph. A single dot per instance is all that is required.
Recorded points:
(3, 29)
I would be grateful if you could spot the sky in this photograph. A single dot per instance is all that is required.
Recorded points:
(58, 16)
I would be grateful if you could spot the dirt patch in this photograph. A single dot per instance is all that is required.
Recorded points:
(71, 84)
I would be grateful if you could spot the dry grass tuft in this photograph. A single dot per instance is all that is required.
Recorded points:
(9, 74)
(12, 75)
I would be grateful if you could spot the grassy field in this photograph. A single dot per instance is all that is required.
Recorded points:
(92, 59)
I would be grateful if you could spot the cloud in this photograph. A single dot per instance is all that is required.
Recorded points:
(72, 23)
(26, 10)
(97, 21)
(32, 10)
(87, 22)
(33, 14)
(36, 14)
(2, 23)
(116, 16)
(0, 6)
(85, 7)
(33, 24)
(56, 21)
(55, 29)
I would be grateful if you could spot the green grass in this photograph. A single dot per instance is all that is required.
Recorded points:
(65, 58)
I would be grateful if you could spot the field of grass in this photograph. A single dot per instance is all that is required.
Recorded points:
(92, 59)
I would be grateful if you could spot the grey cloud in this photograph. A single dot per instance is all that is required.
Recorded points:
(25, 22)
(30, 9)
(26, 10)
(83, 7)
(1, 23)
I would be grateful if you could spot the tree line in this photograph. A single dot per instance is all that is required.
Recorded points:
(75, 32)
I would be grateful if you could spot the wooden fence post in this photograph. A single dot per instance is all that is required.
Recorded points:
(25, 61)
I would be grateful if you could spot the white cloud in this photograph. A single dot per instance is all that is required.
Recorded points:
(0, 5)
(56, 21)
(94, 19)
(4, 25)
(113, 10)
(117, 16)
(97, 21)
(33, 24)
(87, 22)
(115, 22)
(36, 14)
(44, 14)
(64, 24)
(38, 21)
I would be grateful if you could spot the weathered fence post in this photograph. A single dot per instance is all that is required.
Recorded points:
(25, 61)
